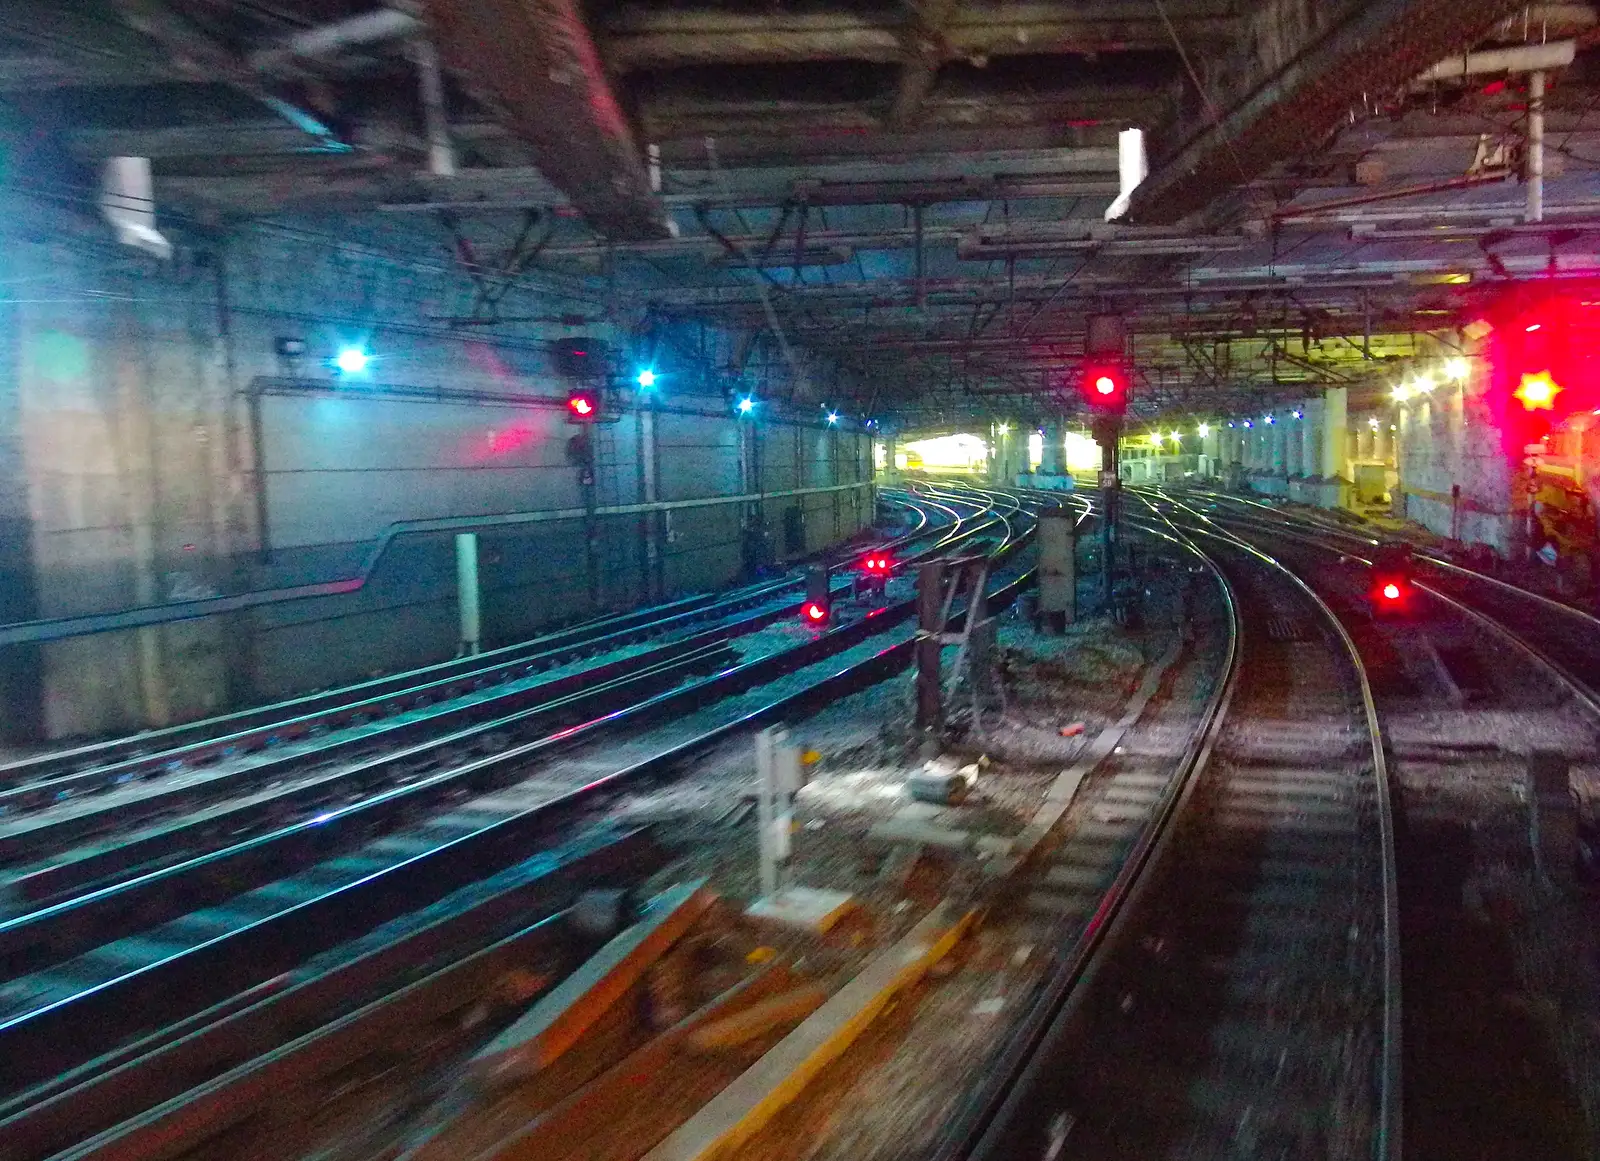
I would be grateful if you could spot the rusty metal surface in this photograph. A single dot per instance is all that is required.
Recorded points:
(1379, 49)
(535, 62)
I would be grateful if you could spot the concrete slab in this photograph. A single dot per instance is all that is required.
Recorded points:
(750, 1102)
(564, 1013)
(910, 830)
(808, 908)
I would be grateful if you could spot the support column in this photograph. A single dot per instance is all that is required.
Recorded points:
(467, 592)
(1311, 440)
(1335, 437)
(1053, 459)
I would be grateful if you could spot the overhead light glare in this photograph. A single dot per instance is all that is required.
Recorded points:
(352, 360)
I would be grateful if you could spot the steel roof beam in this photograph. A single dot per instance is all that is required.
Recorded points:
(1379, 46)
(640, 38)
(537, 64)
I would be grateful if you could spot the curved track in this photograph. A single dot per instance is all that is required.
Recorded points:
(114, 994)
(1486, 697)
(1238, 992)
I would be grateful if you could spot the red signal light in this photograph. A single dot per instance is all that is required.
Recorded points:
(1105, 387)
(1391, 591)
(583, 405)
(815, 612)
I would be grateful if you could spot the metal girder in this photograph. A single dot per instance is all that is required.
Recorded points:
(1379, 47)
(924, 49)
(535, 61)
(639, 37)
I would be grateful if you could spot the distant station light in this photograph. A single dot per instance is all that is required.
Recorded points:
(647, 378)
(351, 360)
(1204, 430)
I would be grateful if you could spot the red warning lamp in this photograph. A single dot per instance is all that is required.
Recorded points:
(1543, 349)
(819, 597)
(583, 406)
(1391, 579)
(1538, 391)
(1104, 387)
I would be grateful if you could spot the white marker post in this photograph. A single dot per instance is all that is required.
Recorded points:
(778, 777)
(778, 781)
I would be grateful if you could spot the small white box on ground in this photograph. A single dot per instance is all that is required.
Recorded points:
(810, 908)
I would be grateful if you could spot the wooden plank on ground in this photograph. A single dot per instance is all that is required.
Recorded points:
(563, 1014)
(758, 1019)
(739, 1111)
(609, 1107)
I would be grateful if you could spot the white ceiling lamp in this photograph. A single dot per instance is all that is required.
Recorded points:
(1133, 166)
(127, 199)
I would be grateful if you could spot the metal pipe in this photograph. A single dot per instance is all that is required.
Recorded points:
(1521, 58)
(1535, 146)
(367, 28)
(441, 153)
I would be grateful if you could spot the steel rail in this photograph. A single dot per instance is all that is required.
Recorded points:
(1586, 693)
(1433, 560)
(35, 1039)
(118, 1094)
(237, 727)
(27, 840)
(977, 1129)
(90, 914)
(1388, 1143)
(85, 1101)
(562, 701)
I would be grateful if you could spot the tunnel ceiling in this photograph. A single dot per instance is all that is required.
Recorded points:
(914, 190)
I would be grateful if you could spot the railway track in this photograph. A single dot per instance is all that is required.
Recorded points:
(1237, 992)
(351, 743)
(1562, 636)
(104, 986)
(1486, 696)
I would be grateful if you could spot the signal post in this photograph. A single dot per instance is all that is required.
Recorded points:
(1105, 384)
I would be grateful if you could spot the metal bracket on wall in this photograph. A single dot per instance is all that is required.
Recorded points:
(33, 632)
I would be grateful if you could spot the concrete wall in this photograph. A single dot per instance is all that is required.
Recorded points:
(150, 452)
(1449, 439)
